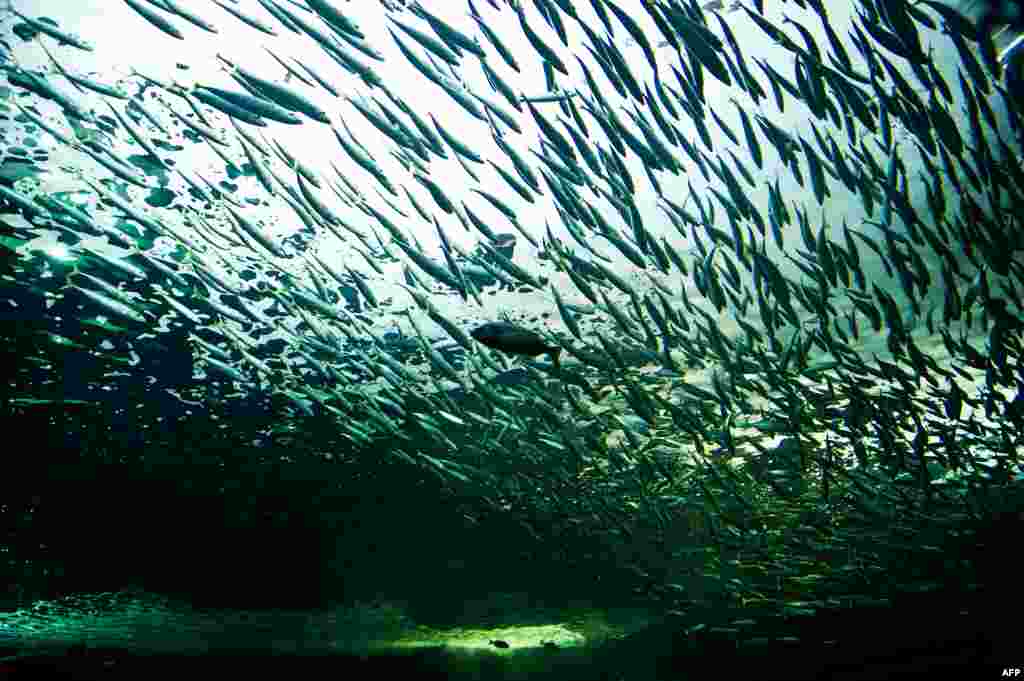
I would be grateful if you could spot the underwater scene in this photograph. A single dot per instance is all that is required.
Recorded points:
(511, 339)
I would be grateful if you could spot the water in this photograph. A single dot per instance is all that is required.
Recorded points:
(300, 420)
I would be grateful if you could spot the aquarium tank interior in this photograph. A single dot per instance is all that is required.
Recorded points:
(589, 340)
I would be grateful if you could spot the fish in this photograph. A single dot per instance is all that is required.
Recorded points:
(455, 38)
(156, 19)
(53, 30)
(549, 56)
(245, 18)
(515, 340)
(428, 42)
(277, 93)
(257, 106)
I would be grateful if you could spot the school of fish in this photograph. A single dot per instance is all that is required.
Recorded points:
(723, 287)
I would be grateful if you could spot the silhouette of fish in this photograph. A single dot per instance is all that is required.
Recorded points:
(514, 340)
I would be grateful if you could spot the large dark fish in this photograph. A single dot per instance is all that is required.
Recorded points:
(514, 340)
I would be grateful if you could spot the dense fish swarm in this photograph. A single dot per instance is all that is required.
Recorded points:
(776, 245)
